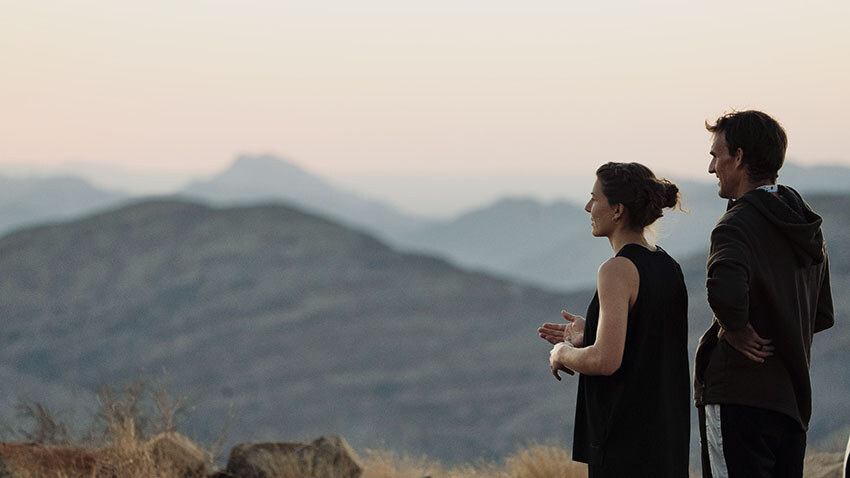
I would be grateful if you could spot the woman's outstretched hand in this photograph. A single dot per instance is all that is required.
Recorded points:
(572, 331)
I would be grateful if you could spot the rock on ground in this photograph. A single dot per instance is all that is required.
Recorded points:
(329, 456)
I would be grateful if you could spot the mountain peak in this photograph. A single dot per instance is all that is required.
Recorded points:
(265, 163)
(261, 175)
(269, 178)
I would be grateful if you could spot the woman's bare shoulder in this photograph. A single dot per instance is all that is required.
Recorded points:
(618, 272)
(617, 266)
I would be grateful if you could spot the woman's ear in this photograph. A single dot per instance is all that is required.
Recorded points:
(618, 212)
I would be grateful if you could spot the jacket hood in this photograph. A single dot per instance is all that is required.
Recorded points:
(793, 218)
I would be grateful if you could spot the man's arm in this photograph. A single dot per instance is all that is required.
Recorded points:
(728, 285)
(825, 316)
(728, 277)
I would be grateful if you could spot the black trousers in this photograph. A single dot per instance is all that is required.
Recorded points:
(738, 441)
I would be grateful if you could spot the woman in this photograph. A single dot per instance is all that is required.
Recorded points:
(633, 409)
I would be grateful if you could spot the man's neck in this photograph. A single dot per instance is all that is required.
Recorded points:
(748, 186)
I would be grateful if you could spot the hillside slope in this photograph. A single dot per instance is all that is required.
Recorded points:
(298, 325)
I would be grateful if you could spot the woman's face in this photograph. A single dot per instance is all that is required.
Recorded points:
(601, 213)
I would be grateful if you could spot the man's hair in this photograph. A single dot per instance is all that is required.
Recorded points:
(759, 136)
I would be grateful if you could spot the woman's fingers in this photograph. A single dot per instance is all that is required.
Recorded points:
(568, 316)
(558, 367)
(552, 339)
(552, 333)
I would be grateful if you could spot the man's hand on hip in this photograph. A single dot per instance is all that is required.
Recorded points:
(748, 342)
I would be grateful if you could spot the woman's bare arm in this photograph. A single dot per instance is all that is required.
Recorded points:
(617, 284)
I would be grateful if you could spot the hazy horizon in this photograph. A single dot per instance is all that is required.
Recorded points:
(440, 88)
(432, 196)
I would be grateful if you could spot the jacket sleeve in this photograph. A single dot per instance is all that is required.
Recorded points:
(728, 277)
(825, 316)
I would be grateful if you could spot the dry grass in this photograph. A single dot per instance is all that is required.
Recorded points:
(29, 461)
(118, 445)
(534, 461)
(823, 465)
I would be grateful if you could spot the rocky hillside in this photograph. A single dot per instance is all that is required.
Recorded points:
(297, 325)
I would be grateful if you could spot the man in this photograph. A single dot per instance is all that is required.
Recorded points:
(768, 286)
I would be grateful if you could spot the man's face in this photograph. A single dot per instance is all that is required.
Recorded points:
(728, 168)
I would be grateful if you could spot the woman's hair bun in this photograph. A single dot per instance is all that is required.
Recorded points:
(671, 194)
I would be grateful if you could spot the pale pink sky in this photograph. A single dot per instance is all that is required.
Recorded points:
(432, 87)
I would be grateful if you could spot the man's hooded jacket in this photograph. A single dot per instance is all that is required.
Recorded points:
(767, 267)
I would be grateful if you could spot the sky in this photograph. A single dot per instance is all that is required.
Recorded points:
(434, 88)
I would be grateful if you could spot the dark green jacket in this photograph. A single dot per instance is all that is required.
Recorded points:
(768, 267)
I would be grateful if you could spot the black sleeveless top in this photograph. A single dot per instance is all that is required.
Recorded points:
(639, 417)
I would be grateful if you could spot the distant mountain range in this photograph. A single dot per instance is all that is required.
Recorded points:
(31, 200)
(302, 327)
(28, 201)
(550, 245)
(263, 179)
(833, 179)
(545, 244)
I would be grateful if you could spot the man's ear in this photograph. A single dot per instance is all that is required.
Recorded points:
(739, 158)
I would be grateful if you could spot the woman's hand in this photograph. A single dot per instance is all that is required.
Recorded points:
(572, 332)
(554, 360)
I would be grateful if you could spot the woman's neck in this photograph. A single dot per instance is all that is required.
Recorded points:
(626, 236)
